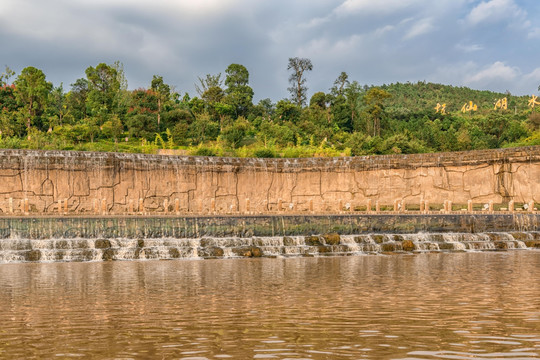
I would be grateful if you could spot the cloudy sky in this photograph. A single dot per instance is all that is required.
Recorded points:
(482, 44)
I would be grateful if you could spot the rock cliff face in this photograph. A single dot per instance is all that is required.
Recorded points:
(83, 182)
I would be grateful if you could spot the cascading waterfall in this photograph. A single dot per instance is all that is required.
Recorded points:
(15, 249)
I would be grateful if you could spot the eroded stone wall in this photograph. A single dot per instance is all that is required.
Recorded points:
(84, 182)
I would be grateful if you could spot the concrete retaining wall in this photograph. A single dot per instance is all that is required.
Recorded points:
(49, 182)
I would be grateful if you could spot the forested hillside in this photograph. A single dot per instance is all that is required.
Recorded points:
(99, 113)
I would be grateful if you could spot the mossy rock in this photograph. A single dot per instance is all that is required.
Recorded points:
(288, 241)
(388, 247)
(59, 255)
(212, 251)
(501, 245)
(533, 244)
(331, 239)
(379, 239)
(87, 255)
(446, 246)
(61, 244)
(312, 240)
(256, 251)
(408, 245)
(242, 251)
(140, 243)
(108, 255)
(324, 249)
(174, 253)
(33, 255)
(102, 244)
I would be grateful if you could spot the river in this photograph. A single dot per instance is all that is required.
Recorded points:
(424, 306)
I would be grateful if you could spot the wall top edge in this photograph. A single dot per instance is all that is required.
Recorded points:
(519, 154)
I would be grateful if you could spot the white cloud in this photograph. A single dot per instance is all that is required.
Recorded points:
(374, 7)
(495, 11)
(496, 72)
(421, 27)
(534, 33)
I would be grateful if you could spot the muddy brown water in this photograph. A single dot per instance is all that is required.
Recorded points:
(424, 306)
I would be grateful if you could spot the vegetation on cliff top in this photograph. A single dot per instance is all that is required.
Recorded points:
(99, 113)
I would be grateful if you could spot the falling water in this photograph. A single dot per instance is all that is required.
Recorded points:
(15, 249)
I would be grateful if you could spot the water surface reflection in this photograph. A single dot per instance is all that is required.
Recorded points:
(423, 306)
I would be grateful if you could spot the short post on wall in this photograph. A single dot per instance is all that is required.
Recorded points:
(141, 206)
(422, 206)
(470, 206)
(177, 206)
(511, 206)
(369, 206)
(11, 205)
(426, 206)
(377, 206)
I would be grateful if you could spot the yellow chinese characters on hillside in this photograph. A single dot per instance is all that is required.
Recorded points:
(440, 108)
(533, 101)
(469, 107)
(501, 104)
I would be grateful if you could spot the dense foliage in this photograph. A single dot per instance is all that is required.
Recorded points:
(99, 113)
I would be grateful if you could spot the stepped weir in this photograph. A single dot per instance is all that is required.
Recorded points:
(48, 239)
(75, 206)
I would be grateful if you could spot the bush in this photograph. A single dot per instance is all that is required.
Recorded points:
(204, 151)
(265, 153)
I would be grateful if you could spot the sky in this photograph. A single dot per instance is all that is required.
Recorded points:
(485, 45)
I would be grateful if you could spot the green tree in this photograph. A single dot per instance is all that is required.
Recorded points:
(208, 82)
(340, 84)
(76, 99)
(297, 79)
(5, 76)
(374, 99)
(32, 93)
(163, 93)
(238, 93)
(103, 88)
(236, 132)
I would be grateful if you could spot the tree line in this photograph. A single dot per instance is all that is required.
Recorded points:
(100, 113)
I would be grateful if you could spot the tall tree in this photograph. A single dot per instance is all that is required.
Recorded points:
(103, 87)
(238, 93)
(374, 99)
(163, 93)
(208, 82)
(5, 76)
(76, 99)
(340, 84)
(31, 92)
(297, 79)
